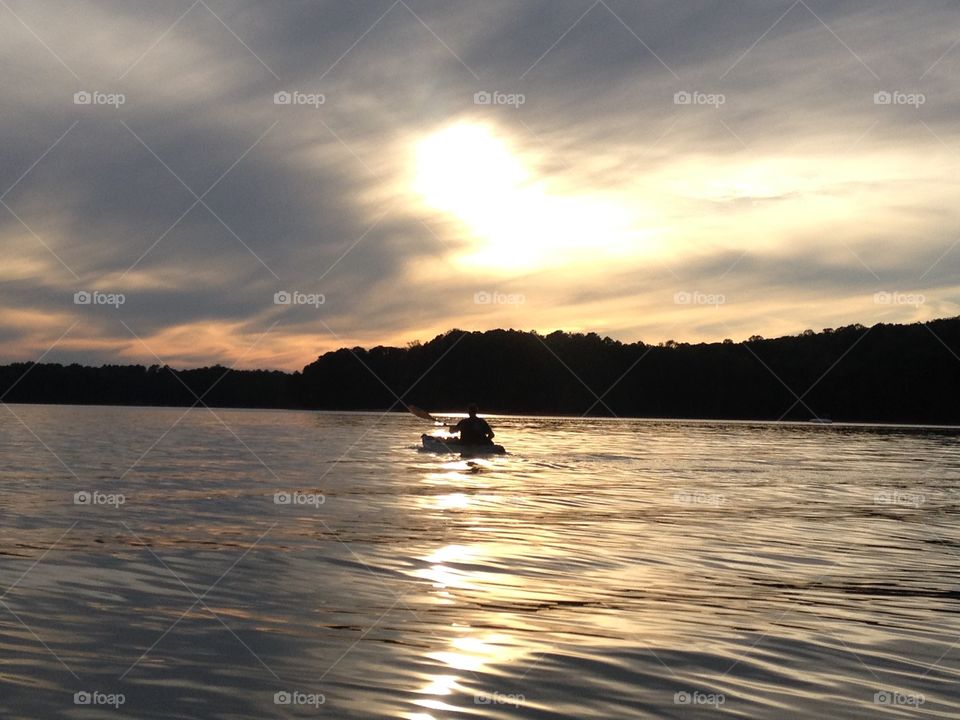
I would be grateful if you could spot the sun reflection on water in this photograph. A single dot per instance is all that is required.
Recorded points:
(461, 578)
(453, 501)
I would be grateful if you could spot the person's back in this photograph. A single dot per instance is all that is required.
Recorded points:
(474, 430)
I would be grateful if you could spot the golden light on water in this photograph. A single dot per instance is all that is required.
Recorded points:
(475, 653)
(448, 553)
(453, 501)
(470, 650)
(441, 575)
(440, 685)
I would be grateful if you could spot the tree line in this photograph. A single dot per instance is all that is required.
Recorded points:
(885, 373)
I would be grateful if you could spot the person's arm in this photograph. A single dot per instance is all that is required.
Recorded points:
(488, 431)
(454, 428)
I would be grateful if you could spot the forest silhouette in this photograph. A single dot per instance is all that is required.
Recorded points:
(886, 373)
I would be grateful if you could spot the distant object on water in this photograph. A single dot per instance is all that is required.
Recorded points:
(476, 436)
(433, 443)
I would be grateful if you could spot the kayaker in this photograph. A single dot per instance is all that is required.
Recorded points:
(473, 430)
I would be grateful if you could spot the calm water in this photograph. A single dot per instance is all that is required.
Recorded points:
(603, 569)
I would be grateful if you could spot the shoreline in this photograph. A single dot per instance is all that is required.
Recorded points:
(527, 416)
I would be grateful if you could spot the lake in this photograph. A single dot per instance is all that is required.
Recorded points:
(164, 562)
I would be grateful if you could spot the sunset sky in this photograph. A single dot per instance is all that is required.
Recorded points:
(648, 170)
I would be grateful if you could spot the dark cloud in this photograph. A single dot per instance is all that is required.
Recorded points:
(313, 198)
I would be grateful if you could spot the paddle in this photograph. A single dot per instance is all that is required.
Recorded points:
(423, 414)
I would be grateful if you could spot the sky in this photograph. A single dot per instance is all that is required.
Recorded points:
(255, 183)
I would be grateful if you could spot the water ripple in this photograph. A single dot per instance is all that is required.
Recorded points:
(602, 569)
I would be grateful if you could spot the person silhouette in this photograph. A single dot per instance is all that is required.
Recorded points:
(473, 430)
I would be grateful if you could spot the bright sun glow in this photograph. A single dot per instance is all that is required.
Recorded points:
(516, 221)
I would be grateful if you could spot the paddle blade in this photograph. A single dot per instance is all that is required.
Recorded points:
(420, 413)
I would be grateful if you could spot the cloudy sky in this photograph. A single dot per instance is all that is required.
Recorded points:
(644, 169)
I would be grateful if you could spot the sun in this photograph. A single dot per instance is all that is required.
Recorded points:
(514, 219)
(464, 169)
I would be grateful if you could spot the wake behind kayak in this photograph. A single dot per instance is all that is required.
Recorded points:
(432, 443)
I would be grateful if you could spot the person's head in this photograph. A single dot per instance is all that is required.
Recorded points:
(472, 409)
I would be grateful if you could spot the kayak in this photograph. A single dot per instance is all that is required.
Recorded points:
(432, 443)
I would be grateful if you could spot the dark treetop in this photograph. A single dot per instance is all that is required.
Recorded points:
(887, 373)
